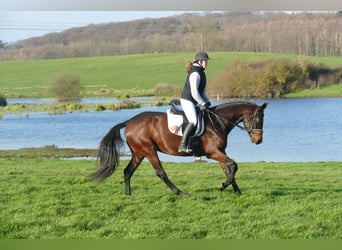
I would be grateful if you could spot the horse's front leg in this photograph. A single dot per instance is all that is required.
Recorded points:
(230, 168)
(235, 187)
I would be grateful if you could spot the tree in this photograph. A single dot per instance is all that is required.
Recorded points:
(65, 87)
(304, 33)
(2, 45)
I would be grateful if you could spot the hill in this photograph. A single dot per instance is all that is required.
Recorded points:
(313, 34)
(122, 74)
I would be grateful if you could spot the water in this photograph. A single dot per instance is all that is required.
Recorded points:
(103, 100)
(294, 130)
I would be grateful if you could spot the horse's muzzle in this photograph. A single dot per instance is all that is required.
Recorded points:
(256, 138)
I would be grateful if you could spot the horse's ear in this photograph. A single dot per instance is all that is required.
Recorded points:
(262, 107)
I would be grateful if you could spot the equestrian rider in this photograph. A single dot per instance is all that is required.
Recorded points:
(194, 94)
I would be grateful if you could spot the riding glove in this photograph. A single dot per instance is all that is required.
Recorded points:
(205, 106)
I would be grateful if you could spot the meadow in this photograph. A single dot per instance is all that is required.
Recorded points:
(120, 75)
(43, 198)
(325, 91)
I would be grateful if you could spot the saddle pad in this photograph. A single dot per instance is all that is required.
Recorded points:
(174, 123)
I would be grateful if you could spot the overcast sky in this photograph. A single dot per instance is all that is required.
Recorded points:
(18, 25)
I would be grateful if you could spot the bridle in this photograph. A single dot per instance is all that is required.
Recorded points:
(223, 122)
(252, 129)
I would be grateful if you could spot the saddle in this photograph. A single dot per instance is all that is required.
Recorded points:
(177, 120)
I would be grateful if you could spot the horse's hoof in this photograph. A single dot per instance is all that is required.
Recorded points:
(184, 194)
(238, 193)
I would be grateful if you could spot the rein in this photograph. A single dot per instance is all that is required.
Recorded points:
(223, 122)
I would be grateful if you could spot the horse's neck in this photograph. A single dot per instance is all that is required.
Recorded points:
(233, 112)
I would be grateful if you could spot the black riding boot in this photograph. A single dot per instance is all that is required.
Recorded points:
(188, 131)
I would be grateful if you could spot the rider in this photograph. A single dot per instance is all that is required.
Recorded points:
(194, 94)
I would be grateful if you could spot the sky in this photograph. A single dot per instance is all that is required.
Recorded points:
(19, 25)
(22, 19)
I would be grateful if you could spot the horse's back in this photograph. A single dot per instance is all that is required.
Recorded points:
(145, 123)
(145, 117)
(150, 129)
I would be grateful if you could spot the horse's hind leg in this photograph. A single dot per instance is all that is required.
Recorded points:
(230, 168)
(153, 158)
(130, 169)
(235, 187)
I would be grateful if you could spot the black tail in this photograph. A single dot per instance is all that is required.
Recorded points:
(109, 153)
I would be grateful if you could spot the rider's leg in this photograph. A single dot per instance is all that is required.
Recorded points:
(191, 115)
(187, 133)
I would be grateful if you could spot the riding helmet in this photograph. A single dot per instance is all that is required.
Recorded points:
(201, 56)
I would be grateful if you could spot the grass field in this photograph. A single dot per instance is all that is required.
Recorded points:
(128, 73)
(54, 199)
(325, 91)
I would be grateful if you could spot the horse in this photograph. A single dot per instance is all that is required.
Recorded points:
(147, 133)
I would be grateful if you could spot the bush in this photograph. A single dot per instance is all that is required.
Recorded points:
(3, 101)
(65, 87)
(271, 78)
(166, 88)
(280, 77)
(240, 79)
(100, 107)
(74, 106)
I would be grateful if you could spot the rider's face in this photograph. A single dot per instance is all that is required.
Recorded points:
(204, 63)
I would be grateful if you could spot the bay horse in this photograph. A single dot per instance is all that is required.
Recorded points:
(147, 133)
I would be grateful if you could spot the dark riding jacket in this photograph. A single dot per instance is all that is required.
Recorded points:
(186, 94)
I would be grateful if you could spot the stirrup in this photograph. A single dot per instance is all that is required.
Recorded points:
(184, 149)
(188, 150)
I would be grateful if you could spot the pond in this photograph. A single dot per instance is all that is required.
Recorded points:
(104, 100)
(295, 130)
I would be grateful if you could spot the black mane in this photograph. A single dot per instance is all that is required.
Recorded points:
(224, 105)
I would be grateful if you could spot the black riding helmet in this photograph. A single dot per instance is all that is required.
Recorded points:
(201, 56)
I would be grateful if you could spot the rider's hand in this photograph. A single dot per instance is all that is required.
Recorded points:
(202, 107)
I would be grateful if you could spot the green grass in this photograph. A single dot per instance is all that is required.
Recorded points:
(325, 91)
(62, 107)
(48, 152)
(126, 73)
(50, 198)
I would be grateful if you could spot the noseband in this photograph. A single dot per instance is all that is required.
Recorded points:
(252, 129)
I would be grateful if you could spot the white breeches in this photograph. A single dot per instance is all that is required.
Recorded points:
(189, 110)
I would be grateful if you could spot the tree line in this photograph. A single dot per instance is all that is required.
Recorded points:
(306, 33)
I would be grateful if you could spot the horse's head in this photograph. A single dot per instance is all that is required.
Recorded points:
(253, 123)
(229, 115)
